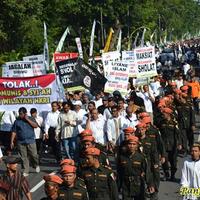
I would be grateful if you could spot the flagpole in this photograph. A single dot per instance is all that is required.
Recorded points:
(46, 49)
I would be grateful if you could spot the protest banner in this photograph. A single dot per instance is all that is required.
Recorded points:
(30, 92)
(67, 77)
(129, 57)
(145, 62)
(141, 81)
(17, 69)
(118, 76)
(75, 74)
(64, 56)
(89, 76)
(37, 64)
(109, 56)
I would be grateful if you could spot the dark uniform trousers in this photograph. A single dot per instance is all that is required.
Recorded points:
(54, 144)
(171, 136)
(186, 120)
(148, 147)
(100, 183)
(133, 175)
(154, 134)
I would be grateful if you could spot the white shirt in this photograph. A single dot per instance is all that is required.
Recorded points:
(1, 154)
(107, 113)
(65, 130)
(80, 114)
(155, 86)
(191, 175)
(80, 119)
(179, 83)
(38, 132)
(147, 101)
(7, 121)
(98, 103)
(131, 121)
(51, 120)
(113, 131)
(98, 128)
(186, 67)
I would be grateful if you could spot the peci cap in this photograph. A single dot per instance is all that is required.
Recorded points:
(68, 169)
(86, 132)
(143, 114)
(184, 88)
(165, 99)
(177, 91)
(133, 138)
(53, 178)
(88, 138)
(146, 120)
(67, 162)
(92, 151)
(141, 125)
(129, 130)
(12, 159)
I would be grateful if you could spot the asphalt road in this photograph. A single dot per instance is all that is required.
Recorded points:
(168, 190)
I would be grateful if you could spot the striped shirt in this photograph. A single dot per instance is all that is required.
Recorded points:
(18, 186)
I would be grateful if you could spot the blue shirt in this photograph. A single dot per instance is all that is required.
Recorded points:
(24, 131)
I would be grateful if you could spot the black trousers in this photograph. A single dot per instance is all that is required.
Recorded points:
(5, 139)
(54, 144)
(172, 159)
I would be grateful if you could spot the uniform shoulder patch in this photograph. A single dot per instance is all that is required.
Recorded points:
(77, 194)
(102, 175)
(152, 136)
(88, 175)
(80, 179)
(61, 194)
(107, 167)
(136, 162)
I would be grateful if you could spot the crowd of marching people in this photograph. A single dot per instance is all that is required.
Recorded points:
(106, 144)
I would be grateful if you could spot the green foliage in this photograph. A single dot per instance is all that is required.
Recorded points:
(21, 22)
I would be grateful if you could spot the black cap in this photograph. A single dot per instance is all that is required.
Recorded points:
(12, 159)
(105, 98)
(116, 93)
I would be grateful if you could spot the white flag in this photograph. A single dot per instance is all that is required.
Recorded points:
(59, 47)
(80, 51)
(92, 38)
(142, 40)
(119, 41)
(135, 41)
(46, 48)
(62, 39)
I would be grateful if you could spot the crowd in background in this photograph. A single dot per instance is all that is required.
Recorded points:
(145, 129)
